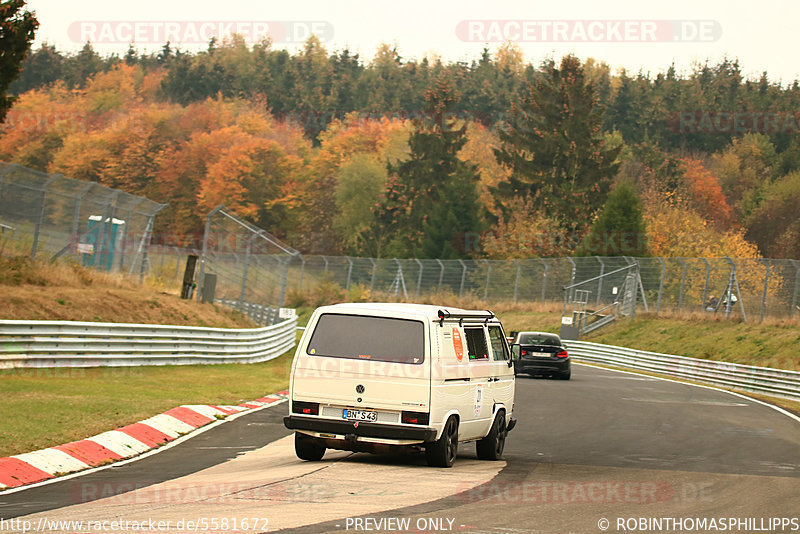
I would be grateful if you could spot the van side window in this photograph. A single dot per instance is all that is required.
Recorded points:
(498, 341)
(476, 344)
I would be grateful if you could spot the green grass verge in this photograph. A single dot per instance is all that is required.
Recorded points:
(46, 407)
(765, 345)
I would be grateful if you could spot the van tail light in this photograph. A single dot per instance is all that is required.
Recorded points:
(415, 418)
(305, 408)
(562, 354)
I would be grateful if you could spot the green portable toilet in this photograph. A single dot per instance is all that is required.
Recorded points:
(100, 242)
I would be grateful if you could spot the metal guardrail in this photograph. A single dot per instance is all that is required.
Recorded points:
(265, 315)
(774, 382)
(87, 344)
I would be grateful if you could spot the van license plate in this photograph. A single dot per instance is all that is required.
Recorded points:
(359, 415)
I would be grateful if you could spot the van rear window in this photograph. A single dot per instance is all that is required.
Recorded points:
(362, 337)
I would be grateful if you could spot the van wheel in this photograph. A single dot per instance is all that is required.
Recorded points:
(491, 447)
(443, 451)
(307, 448)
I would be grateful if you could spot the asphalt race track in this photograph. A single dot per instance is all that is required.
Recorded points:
(600, 452)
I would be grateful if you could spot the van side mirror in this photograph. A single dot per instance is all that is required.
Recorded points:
(515, 349)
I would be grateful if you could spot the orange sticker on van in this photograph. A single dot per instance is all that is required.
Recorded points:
(457, 344)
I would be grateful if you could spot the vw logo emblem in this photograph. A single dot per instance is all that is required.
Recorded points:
(359, 389)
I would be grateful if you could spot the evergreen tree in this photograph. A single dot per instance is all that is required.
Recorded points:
(432, 199)
(17, 31)
(555, 148)
(619, 230)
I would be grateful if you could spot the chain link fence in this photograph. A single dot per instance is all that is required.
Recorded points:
(756, 288)
(243, 265)
(51, 216)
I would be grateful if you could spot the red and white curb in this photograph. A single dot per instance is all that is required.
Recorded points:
(115, 445)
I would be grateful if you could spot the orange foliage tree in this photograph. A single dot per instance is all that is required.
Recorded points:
(706, 194)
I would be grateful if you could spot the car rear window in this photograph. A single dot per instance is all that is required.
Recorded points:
(361, 337)
(539, 339)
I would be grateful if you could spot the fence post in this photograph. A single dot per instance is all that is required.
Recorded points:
(349, 272)
(796, 285)
(325, 259)
(683, 282)
(544, 279)
(206, 231)
(177, 262)
(419, 278)
(441, 276)
(708, 276)
(572, 278)
(488, 277)
(246, 268)
(76, 218)
(516, 281)
(302, 271)
(372, 278)
(40, 220)
(660, 284)
(734, 280)
(284, 283)
(766, 288)
(144, 245)
(125, 234)
(463, 275)
(600, 280)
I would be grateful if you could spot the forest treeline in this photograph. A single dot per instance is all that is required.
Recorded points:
(500, 157)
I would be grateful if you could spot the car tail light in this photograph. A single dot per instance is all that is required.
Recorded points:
(415, 418)
(562, 354)
(524, 352)
(305, 408)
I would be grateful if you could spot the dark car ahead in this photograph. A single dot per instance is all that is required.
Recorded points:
(540, 353)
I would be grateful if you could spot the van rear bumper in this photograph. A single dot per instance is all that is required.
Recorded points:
(367, 430)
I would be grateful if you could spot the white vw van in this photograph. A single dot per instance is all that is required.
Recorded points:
(386, 377)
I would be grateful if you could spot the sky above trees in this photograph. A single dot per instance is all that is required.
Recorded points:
(760, 38)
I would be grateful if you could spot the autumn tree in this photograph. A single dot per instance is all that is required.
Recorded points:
(619, 229)
(17, 31)
(706, 194)
(359, 185)
(743, 168)
(675, 229)
(525, 232)
(555, 148)
(775, 224)
(432, 196)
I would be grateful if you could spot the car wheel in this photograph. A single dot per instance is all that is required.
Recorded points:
(443, 451)
(491, 447)
(307, 448)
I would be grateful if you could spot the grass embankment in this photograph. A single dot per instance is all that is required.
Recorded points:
(770, 344)
(69, 292)
(45, 407)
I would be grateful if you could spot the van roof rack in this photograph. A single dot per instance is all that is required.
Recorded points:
(481, 315)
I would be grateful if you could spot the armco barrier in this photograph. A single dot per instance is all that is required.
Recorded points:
(774, 382)
(86, 344)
